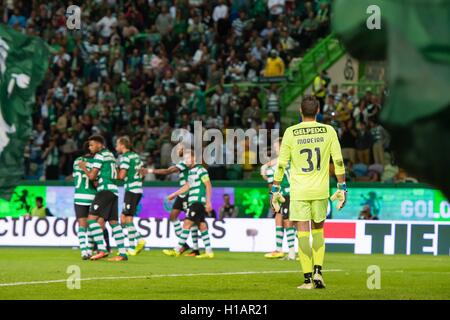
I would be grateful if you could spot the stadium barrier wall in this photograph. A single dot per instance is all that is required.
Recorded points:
(248, 235)
(411, 202)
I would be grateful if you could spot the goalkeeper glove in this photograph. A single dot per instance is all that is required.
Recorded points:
(340, 195)
(276, 198)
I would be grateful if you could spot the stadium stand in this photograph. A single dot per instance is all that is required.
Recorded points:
(143, 68)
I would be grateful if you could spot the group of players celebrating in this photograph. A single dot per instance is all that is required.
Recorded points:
(96, 200)
(298, 180)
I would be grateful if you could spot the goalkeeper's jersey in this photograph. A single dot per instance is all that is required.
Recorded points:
(308, 147)
(84, 188)
(184, 172)
(285, 185)
(131, 162)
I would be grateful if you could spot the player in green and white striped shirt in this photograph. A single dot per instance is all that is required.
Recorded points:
(199, 191)
(105, 203)
(180, 203)
(130, 165)
(283, 224)
(84, 195)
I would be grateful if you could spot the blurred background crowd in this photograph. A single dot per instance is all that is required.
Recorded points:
(144, 68)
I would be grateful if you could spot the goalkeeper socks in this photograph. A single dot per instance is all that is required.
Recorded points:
(290, 235)
(305, 252)
(82, 239)
(133, 235)
(183, 238)
(206, 241)
(279, 238)
(119, 238)
(97, 234)
(194, 234)
(318, 246)
(177, 226)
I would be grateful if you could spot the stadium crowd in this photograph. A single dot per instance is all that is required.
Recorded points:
(143, 68)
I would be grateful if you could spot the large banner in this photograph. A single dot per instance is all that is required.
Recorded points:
(252, 202)
(384, 203)
(248, 235)
(419, 204)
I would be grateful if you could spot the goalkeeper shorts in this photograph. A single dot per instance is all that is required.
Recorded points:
(306, 210)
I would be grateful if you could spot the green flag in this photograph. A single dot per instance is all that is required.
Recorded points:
(23, 64)
(414, 38)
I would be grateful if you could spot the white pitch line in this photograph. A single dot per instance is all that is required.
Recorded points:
(12, 284)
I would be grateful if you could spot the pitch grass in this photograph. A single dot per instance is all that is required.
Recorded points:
(402, 277)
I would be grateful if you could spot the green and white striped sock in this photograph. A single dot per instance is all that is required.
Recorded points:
(82, 239)
(206, 241)
(194, 234)
(183, 238)
(90, 242)
(290, 235)
(178, 227)
(279, 238)
(133, 235)
(119, 238)
(97, 234)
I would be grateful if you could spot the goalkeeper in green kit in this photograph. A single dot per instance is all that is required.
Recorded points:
(308, 146)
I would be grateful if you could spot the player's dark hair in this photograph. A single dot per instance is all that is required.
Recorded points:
(97, 138)
(40, 199)
(125, 140)
(309, 106)
(86, 152)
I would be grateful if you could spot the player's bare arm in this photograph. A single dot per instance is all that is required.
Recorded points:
(160, 172)
(265, 166)
(91, 174)
(122, 174)
(208, 186)
(183, 189)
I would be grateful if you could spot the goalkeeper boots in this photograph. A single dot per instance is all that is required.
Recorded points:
(308, 284)
(318, 279)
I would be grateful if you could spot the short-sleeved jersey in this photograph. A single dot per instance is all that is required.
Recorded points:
(197, 188)
(184, 172)
(285, 184)
(84, 188)
(308, 147)
(131, 162)
(105, 162)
